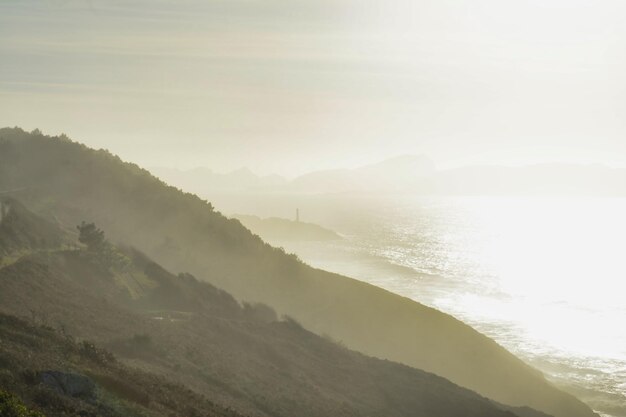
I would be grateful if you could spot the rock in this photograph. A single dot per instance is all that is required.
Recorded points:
(73, 385)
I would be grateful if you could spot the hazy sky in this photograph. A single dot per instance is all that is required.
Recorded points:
(289, 86)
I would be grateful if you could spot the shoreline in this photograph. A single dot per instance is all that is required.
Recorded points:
(563, 370)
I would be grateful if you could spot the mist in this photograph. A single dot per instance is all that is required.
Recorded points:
(317, 85)
(246, 208)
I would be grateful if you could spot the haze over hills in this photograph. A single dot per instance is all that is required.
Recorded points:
(60, 178)
(555, 179)
(203, 180)
(357, 208)
(180, 346)
(390, 175)
(417, 175)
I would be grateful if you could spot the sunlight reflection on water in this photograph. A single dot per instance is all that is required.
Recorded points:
(543, 276)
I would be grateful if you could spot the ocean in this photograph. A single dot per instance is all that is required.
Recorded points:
(543, 276)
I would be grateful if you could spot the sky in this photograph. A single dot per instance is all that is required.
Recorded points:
(290, 86)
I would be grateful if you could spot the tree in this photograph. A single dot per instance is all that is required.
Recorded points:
(91, 236)
(99, 249)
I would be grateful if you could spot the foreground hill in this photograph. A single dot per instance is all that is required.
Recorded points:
(58, 376)
(72, 182)
(171, 328)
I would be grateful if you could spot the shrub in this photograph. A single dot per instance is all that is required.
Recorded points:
(260, 312)
(11, 406)
(91, 236)
(96, 354)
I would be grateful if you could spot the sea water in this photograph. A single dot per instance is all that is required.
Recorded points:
(543, 276)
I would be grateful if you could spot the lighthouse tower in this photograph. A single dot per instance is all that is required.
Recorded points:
(297, 215)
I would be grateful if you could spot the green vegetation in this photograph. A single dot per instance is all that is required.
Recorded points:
(91, 236)
(56, 177)
(98, 248)
(21, 231)
(29, 353)
(11, 406)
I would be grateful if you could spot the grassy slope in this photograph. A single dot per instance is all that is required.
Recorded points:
(27, 349)
(182, 231)
(21, 229)
(240, 357)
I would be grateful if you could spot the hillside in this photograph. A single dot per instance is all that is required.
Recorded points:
(20, 229)
(56, 375)
(177, 342)
(73, 182)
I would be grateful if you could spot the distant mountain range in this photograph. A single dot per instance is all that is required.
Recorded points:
(415, 175)
(203, 180)
(396, 174)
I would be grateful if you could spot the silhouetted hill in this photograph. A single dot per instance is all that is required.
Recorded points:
(163, 327)
(413, 175)
(400, 173)
(203, 181)
(182, 231)
(565, 179)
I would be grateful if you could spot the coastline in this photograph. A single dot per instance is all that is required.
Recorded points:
(580, 377)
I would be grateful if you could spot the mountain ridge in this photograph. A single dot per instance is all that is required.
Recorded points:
(417, 175)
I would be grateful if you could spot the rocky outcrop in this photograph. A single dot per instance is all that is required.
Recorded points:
(70, 384)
